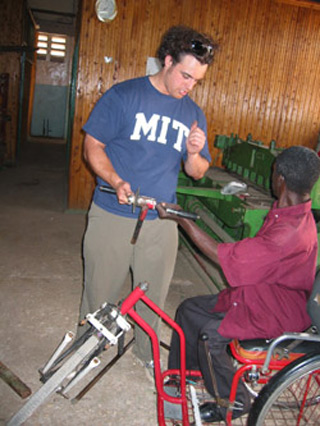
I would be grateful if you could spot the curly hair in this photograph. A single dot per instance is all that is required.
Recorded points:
(300, 167)
(181, 40)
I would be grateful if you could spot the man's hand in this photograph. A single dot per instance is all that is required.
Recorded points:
(195, 165)
(196, 139)
(162, 210)
(123, 191)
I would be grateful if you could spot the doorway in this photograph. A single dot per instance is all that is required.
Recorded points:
(51, 86)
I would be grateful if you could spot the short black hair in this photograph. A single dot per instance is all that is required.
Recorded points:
(300, 167)
(181, 40)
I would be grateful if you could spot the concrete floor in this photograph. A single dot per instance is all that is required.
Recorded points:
(40, 285)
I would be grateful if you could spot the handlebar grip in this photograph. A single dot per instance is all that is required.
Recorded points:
(184, 214)
(104, 188)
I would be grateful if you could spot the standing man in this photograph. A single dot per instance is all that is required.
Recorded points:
(136, 138)
(270, 278)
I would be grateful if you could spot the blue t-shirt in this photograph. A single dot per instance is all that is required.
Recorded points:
(145, 135)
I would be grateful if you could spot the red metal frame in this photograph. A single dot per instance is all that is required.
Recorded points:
(247, 363)
(127, 308)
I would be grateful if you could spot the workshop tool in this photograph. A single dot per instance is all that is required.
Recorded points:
(146, 204)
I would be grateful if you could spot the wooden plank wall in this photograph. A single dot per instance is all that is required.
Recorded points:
(11, 35)
(265, 79)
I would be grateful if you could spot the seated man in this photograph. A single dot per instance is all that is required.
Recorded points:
(270, 278)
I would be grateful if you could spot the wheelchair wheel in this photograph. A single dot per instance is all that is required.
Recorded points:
(292, 396)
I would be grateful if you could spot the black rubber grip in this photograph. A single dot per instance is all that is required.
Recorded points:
(104, 188)
(182, 213)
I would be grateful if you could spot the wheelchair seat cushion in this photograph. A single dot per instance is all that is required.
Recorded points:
(257, 348)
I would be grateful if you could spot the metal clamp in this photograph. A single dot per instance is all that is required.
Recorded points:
(119, 319)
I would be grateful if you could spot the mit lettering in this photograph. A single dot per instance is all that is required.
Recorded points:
(156, 129)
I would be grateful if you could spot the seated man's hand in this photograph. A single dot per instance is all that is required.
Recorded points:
(164, 210)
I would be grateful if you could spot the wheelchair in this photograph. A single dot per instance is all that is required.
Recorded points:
(282, 375)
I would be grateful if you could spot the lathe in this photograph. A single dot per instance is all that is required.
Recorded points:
(233, 200)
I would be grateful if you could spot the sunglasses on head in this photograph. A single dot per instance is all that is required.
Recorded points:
(200, 48)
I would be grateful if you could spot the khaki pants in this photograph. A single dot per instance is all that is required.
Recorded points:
(109, 257)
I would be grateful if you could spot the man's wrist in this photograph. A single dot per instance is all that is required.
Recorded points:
(118, 183)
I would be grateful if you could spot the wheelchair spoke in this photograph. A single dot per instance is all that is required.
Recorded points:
(291, 398)
(298, 401)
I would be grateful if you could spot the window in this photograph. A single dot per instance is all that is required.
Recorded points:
(51, 47)
(42, 45)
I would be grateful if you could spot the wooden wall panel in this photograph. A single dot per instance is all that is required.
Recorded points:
(10, 36)
(265, 79)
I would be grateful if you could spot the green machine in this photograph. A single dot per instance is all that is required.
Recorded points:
(232, 201)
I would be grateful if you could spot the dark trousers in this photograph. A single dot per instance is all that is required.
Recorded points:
(195, 316)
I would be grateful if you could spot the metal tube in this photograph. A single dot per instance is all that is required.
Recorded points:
(65, 341)
(102, 372)
(92, 364)
(286, 336)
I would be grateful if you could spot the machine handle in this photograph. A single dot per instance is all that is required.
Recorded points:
(182, 213)
(104, 188)
(132, 199)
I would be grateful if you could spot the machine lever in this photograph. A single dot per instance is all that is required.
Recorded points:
(181, 213)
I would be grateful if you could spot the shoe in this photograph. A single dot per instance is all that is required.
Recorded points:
(210, 412)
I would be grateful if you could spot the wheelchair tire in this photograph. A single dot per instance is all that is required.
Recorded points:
(291, 397)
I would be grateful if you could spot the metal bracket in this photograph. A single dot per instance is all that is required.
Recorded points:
(119, 319)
